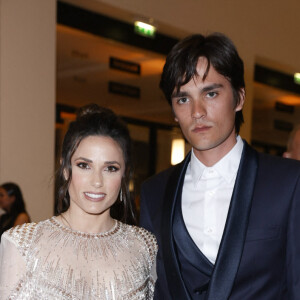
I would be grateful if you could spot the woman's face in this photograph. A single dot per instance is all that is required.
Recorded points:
(6, 201)
(97, 170)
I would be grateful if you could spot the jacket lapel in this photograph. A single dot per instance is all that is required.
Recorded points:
(233, 239)
(172, 193)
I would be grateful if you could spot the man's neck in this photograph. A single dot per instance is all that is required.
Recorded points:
(211, 156)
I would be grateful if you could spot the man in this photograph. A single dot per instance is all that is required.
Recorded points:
(227, 219)
(293, 145)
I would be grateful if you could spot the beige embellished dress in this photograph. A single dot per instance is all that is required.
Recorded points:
(48, 260)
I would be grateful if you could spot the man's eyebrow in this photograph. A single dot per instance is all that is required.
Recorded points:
(180, 94)
(211, 87)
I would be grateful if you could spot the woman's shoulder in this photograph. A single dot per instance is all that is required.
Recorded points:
(23, 229)
(20, 232)
(143, 235)
(139, 231)
(22, 235)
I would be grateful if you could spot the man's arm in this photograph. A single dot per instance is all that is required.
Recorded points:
(145, 219)
(293, 247)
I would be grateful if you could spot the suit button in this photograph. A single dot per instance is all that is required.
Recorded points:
(197, 292)
(208, 230)
(201, 289)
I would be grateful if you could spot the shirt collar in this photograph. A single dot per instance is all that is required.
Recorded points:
(226, 167)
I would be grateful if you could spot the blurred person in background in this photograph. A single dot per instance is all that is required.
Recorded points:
(12, 202)
(293, 145)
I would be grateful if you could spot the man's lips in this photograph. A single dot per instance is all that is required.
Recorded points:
(200, 129)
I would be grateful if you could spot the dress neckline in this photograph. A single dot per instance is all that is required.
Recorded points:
(63, 227)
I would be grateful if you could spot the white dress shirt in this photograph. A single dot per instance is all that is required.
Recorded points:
(206, 198)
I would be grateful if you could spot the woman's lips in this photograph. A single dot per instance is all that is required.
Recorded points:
(94, 196)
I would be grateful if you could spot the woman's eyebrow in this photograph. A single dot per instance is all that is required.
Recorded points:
(83, 158)
(112, 162)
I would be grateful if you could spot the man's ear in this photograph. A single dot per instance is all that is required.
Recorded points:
(242, 95)
(175, 118)
(286, 154)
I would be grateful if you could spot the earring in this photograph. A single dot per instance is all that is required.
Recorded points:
(121, 195)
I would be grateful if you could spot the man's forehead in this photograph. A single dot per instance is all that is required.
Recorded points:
(202, 66)
(201, 70)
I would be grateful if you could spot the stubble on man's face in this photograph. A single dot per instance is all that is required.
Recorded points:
(205, 111)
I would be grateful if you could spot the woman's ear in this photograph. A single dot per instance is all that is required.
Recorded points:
(65, 172)
(66, 175)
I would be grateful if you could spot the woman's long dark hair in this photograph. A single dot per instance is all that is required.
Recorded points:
(93, 120)
(17, 207)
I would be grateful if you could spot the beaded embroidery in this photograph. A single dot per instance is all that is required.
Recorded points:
(62, 263)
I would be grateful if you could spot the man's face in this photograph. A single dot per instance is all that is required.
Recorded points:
(206, 111)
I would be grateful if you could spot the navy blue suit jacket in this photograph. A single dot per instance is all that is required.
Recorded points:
(259, 255)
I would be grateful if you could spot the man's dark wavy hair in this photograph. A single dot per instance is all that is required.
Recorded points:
(220, 52)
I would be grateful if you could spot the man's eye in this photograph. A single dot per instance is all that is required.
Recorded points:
(112, 169)
(83, 165)
(182, 100)
(211, 94)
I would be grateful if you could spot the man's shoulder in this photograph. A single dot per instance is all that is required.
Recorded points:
(277, 161)
(274, 164)
(163, 176)
(160, 175)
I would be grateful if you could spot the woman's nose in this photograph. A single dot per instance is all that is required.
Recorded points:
(97, 180)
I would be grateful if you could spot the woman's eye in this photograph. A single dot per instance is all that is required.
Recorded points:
(83, 165)
(112, 169)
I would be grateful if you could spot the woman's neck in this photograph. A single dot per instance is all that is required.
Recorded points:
(87, 222)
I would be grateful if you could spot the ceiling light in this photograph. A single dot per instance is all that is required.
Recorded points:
(144, 29)
(297, 78)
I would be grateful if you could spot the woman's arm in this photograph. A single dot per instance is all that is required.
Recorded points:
(21, 219)
(12, 266)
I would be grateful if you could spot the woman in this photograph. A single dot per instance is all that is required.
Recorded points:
(11, 201)
(84, 252)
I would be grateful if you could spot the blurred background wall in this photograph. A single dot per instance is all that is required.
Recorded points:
(27, 100)
(47, 69)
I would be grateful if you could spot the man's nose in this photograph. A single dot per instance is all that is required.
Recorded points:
(198, 109)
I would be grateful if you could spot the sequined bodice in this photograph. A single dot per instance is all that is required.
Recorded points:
(56, 262)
